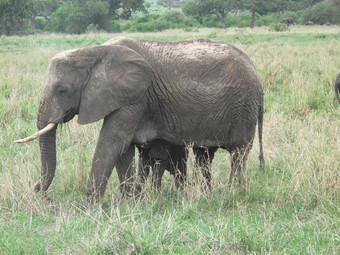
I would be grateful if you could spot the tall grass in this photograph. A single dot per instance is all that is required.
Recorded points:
(292, 207)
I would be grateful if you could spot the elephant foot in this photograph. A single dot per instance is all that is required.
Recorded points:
(44, 197)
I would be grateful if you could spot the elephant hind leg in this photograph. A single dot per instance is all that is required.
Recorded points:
(239, 159)
(203, 160)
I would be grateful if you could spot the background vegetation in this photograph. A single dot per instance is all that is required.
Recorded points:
(290, 208)
(24, 17)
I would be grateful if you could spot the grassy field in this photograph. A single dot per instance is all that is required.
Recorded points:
(293, 207)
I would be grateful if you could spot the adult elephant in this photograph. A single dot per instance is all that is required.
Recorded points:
(197, 91)
(337, 88)
(288, 21)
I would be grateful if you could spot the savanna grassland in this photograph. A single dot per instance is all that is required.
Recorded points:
(292, 207)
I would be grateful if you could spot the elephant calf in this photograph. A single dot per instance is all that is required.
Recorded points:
(161, 156)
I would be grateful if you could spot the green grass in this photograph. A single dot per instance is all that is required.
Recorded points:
(290, 208)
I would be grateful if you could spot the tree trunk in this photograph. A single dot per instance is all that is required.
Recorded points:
(252, 18)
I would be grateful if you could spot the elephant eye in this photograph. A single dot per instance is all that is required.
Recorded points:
(62, 91)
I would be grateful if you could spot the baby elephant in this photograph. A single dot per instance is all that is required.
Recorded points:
(160, 156)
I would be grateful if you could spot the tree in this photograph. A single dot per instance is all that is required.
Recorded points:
(13, 13)
(124, 8)
(171, 3)
(220, 8)
(259, 6)
(75, 16)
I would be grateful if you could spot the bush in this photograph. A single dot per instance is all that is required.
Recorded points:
(40, 23)
(244, 19)
(157, 22)
(278, 27)
(211, 21)
(322, 13)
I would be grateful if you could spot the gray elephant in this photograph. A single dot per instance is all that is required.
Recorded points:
(337, 88)
(200, 92)
(160, 156)
(288, 21)
(309, 23)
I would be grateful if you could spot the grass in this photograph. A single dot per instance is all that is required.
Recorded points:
(290, 208)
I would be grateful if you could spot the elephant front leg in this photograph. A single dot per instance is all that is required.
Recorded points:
(114, 141)
(126, 170)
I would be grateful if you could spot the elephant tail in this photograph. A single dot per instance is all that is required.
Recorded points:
(260, 126)
(337, 88)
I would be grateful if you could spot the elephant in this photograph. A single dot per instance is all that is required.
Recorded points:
(198, 91)
(160, 156)
(309, 23)
(288, 21)
(337, 88)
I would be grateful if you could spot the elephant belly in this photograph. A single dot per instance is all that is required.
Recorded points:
(146, 132)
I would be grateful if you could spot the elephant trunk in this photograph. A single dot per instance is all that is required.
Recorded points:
(47, 144)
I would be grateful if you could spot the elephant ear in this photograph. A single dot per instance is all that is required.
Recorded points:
(121, 77)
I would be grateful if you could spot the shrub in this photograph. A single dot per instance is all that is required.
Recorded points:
(40, 23)
(211, 21)
(278, 27)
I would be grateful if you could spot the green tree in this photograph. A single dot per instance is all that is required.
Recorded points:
(169, 4)
(75, 16)
(220, 8)
(124, 8)
(13, 13)
(259, 6)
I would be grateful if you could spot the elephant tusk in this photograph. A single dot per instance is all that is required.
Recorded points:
(41, 132)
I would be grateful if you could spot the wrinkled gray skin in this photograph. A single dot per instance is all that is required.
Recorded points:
(198, 91)
(288, 21)
(337, 88)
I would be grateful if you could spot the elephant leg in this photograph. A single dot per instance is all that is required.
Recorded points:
(179, 166)
(203, 160)
(143, 165)
(114, 140)
(239, 159)
(158, 169)
(125, 167)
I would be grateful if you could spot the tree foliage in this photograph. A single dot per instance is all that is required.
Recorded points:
(70, 16)
(169, 4)
(220, 8)
(12, 14)
(322, 13)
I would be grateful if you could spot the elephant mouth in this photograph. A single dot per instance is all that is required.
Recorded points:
(69, 115)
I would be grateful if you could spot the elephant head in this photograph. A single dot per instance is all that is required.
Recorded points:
(337, 87)
(82, 82)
